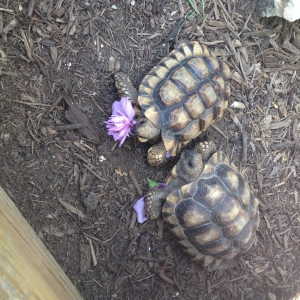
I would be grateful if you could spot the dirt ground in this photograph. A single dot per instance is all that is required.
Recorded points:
(59, 52)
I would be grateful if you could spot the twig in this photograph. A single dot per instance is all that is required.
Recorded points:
(162, 275)
(1, 22)
(54, 104)
(244, 139)
(92, 252)
(70, 126)
(136, 184)
(44, 72)
(146, 277)
(95, 173)
(30, 104)
(219, 130)
(30, 8)
(102, 242)
(7, 10)
(99, 107)
(72, 209)
(24, 37)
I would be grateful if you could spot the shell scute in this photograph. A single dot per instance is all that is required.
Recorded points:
(184, 78)
(191, 214)
(199, 68)
(194, 106)
(170, 94)
(179, 118)
(204, 234)
(208, 94)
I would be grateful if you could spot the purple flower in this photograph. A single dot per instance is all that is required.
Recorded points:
(140, 210)
(140, 207)
(121, 120)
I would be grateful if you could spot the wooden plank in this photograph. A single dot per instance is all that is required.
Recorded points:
(27, 269)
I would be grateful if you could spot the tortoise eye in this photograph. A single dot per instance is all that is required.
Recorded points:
(142, 122)
(190, 163)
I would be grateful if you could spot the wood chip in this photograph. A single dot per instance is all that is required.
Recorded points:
(277, 125)
(72, 209)
(161, 273)
(85, 257)
(135, 182)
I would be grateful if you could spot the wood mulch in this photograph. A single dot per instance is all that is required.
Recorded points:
(76, 187)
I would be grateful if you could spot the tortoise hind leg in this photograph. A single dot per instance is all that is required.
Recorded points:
(157, 154)
(206, 149)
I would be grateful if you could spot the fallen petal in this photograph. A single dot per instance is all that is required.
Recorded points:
(161, 185)
(140, 210)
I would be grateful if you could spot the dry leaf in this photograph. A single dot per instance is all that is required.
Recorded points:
(282, 108)
(54, 231)
(271, 296)
(267, 120)
(120, 172)
(53, 53)
(237, 104)
(262, 268)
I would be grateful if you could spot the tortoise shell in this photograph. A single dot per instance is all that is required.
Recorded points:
(214, 218)
(185, 93)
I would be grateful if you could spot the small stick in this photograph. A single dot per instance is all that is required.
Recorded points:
(244, 139)
(10, 26)
(7, 10)
(30, 8)
(1, 22)
(44, 72)
(219, 130)
(99, 107)
(161, 273)
(26, 44)
(54, 104)
(70, 126)
(94, 259)
(30, 104)
(95, 173)
(136, 184)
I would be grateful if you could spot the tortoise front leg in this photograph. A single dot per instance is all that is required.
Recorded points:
(206, 149)
(155, 198)
(154, 202)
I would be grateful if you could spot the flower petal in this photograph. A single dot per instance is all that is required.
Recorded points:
(161, 185)
(140, 210)
(126, 108)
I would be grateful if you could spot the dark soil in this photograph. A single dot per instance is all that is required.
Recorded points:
(65, 52)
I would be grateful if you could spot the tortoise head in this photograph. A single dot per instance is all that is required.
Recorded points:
(190, 165)
(145, 129)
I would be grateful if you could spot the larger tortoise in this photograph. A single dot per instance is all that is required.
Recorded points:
(209, 207)
(180, 98)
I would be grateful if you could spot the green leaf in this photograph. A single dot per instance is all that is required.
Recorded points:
(152, 183)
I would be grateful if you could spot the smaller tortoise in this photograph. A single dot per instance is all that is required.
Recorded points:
(209, 207)
(180, 98)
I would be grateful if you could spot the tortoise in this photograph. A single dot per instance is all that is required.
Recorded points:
(180, 98)
(209, 207)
